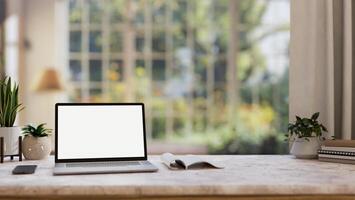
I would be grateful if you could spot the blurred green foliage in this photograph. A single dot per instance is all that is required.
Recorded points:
(262, 113)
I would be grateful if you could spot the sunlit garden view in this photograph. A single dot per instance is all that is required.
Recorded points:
(211, 73)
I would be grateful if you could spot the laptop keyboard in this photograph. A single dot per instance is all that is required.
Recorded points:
(103, 164)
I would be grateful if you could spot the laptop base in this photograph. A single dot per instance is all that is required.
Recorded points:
(94, 168)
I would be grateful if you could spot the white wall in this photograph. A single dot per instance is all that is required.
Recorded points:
(39, 34)
(46, 48)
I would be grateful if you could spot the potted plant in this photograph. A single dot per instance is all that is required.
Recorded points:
(306, 134)
(9, 107)
(36, 144)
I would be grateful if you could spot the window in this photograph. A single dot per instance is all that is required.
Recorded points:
(210, 72)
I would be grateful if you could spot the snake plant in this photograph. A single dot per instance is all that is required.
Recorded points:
(39, 131)
(9, 105)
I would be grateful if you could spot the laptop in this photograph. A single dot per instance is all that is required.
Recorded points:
(93, 138)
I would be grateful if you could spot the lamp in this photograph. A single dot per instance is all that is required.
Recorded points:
(49, 81)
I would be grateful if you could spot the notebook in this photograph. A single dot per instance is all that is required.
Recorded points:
(187, 162)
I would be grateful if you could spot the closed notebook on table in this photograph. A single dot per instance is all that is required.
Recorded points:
(335, 160)
(339, 143)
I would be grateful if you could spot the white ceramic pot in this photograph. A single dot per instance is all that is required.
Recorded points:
(306, 149)
(36, 148)
(10, 135)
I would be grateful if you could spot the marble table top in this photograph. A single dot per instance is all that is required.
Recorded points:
(242, 175)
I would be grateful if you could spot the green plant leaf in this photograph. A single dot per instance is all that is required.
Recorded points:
(306, 127)
(9, 106)
(306, 121)
(315, 116)
(36, 131)
(298, 118)
(323, 128)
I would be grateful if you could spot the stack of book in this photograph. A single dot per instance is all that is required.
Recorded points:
(340, 151)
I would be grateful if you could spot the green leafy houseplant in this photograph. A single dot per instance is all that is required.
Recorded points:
(306, 127)
(9, 105)
(39, 131)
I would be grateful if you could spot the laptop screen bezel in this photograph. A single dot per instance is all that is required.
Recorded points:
(57, 160)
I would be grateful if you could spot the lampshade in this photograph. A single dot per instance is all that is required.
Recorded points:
(49, 81)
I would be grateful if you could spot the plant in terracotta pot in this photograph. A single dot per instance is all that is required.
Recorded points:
(36, 145)
(306, 134)
(9, 107)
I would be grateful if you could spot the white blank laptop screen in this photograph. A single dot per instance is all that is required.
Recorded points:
(100, 131)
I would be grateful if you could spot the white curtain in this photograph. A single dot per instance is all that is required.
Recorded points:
(322, 67)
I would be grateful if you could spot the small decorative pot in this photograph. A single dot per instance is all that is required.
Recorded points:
(10, 135)
(306, 149)
(36, 148)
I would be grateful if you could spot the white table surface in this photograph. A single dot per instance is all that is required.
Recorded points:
(243, 175)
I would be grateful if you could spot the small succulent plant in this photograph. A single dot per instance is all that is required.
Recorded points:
(39, 131)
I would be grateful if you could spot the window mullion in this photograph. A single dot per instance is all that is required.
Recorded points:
(210, 76)
(148, 64)
(129, 53)
(105, 51)
(169, 65)
(191, 46)
(231, 62)
(85, 84)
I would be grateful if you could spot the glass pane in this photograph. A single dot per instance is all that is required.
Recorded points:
(158, 128)
(200, 122)
(220, 11)
(140, 64)
(159, 106)
(158, 12)
(140, 69)
(159, 42)
(117, 91)
(75, 70)
(200, 105)
(95, 41)
(141, 81)
(140, 43)
(200, 89)
(179, 8)
(75, 95)
(220, 68)
(220, 94)
(179, 39)
(95, 94)
(220, 43)
(95, 70)
(117, 8)
(221, 34)
(203, 42)
(75, 41)
(138, 6)
(180, 106)
(158, 89)
(178, 125)
(158, 70)
(116, 41)
(75, 12)
(116, 70)
(201, 64)
(95, 11)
